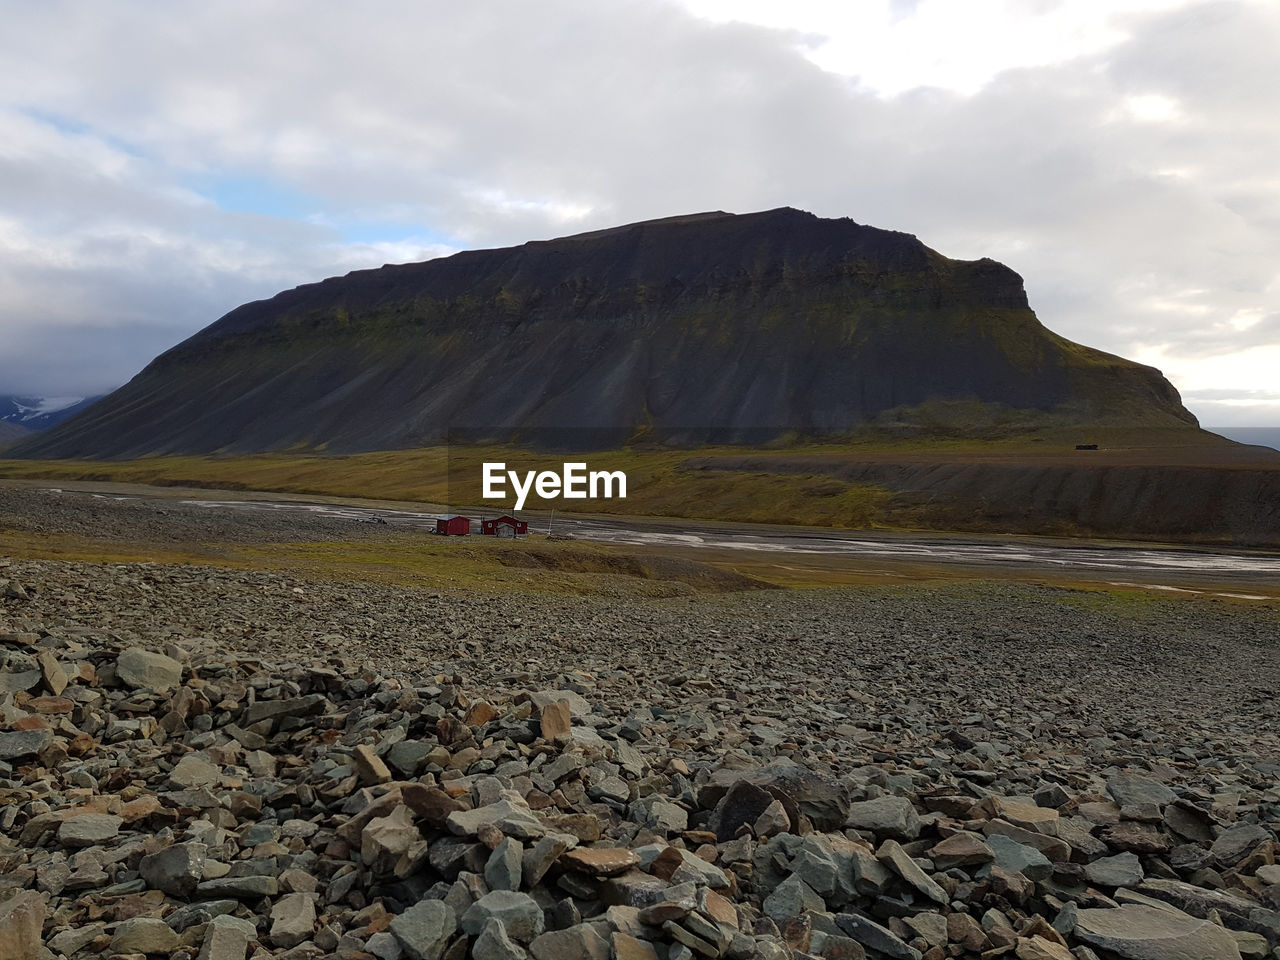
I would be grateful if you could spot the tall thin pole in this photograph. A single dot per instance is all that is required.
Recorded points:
(551, 520)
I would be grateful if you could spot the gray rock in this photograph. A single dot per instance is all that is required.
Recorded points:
(893, 818)
(176, 870)
(423, 931)
(513, 820)
(520, 915)
(89, 829)
(242, 888)
(1131, 789)
(659, 815)
(893, 856)
(409, 756)
(539, 858)
(144, 935)
(930, 926)
(313, 704)
(227, 938)
(71, 940)
(801, 791)
(384, 946)
(1018, 858)
(1122, 870)
(24, 744)
(494, 944)
(578, 706)
(17, 682)
(141, 669)
(1234, 844)
(1139, 932)
(293, 919)
(503, 869)
(871, 934)
(742, 805)
(791, 898)
(194, 770)
(579, 942)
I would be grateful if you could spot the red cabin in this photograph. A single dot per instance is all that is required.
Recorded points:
(453, 525)
(504, 526)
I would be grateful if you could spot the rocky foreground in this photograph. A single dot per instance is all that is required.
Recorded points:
(206, 763)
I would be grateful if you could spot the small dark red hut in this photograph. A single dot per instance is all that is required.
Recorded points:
(504, 526)
(453, 525)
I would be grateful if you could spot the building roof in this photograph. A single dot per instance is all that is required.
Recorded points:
(454, 516)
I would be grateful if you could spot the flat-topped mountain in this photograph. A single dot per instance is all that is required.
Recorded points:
(731, 328)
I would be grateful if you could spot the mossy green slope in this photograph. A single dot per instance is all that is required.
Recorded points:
(712, 328)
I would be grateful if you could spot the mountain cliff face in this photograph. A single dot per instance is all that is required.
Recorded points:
(706, 327)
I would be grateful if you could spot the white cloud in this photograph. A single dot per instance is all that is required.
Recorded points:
(1117, 154)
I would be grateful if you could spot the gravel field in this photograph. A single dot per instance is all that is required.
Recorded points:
(226, 764)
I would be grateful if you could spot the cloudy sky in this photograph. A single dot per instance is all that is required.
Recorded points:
(163, 161)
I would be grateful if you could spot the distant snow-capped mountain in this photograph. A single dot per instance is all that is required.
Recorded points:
(39, 413)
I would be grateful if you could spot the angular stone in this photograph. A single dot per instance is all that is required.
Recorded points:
(742, 805)
(1136, 837)
(1021, 813)
(144, 935)
(577, 705)
(143, 670)
(423, 931)
(893, 856)
(598, 861)
(893, 818)
(22, 918)
(242, 888)
(520, 915)
(873, 935)
(683, 866)
(512, 819)
(579, 942)
(772, 822)
(293, 918)
(24, 744)
(1131, 789)
(432, 804)
(1040, 948)
(1139, 932)
(1235, 843)
(960, 850)
(932, 927)
(19, 681)
(409, 756)
(55, 678)
(661, 816)
(1019, 858)
(89, 829)
(176, 869)
(538, 859)
(309, 706)
(791, 898)
(494, 944)
(555, 720)
(369, 766)
(385, 840)
(193, 771)
(627, 947)
(1122, 870)
(71, 940)
(227, 938)
(802, 792)
(505, 864)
